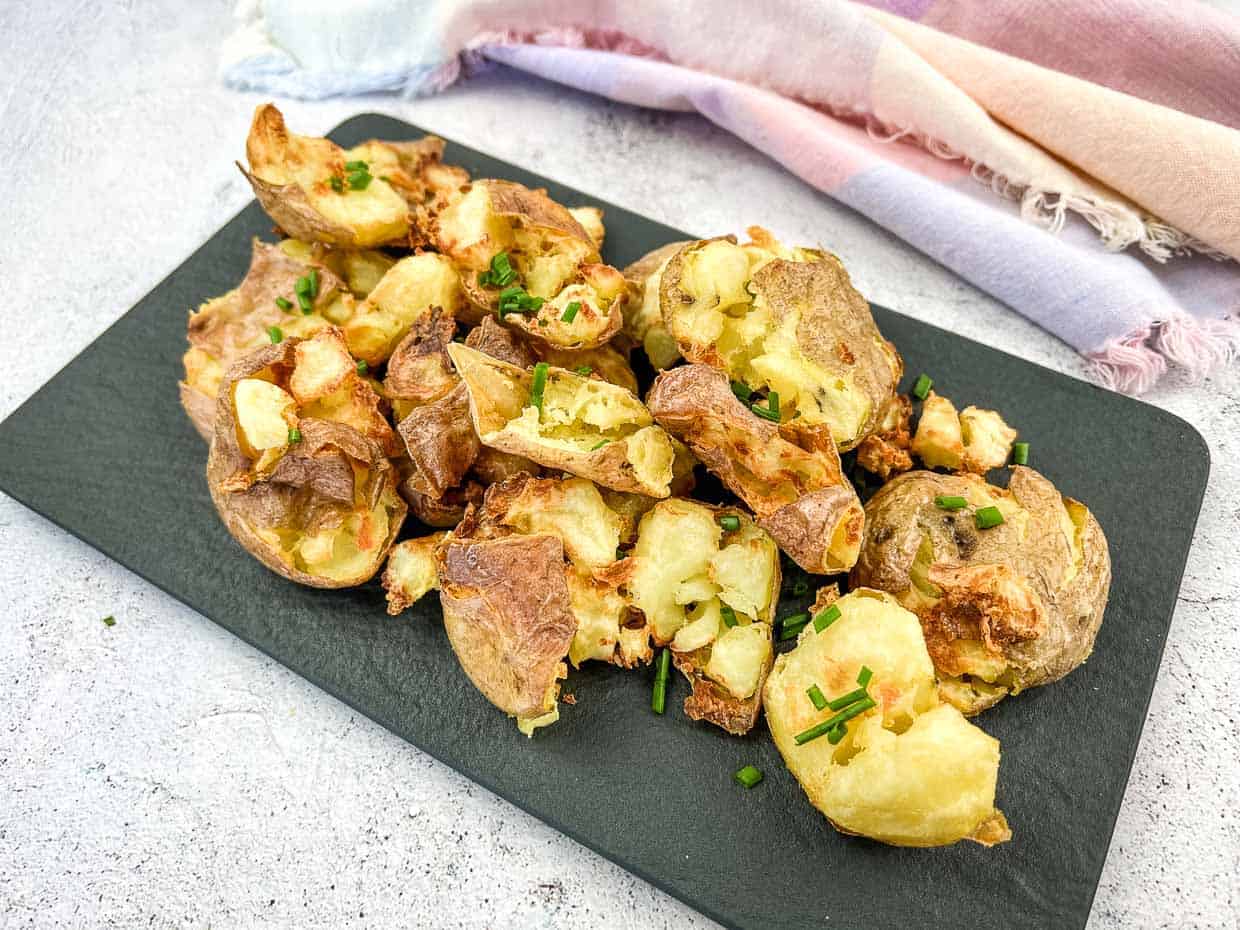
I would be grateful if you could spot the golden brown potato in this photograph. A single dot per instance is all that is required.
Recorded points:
(583, 426)
(710, 594)
(313, 500)
(885, 452)
(987, 440)
(1003, 608)
(643, 317)
(907, 770)
(306, 187)
(938, 441)
(800, 498)
(407, 293)
(787, 322)
(591, 220)
(441, 443)
(228, 327)
(420, 371)
(604, 362)
(411, 572)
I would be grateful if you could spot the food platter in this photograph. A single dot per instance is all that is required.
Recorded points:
(105, 451)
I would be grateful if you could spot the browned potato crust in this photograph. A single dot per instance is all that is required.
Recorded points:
(1002, 609)
(801, 498)
(885, 452)
(323, 510)
(420, 371)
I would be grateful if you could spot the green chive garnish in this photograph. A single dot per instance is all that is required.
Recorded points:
(109, 620)
(792, 626)
(922, 387)
(765, 412)
(302, 286)
(621, 554)
(515, 300)
(359, 174)
(748, 776)
(742, 391)
(303, 301)
(337, 183)
(275, 334)
(658, 698)
(816, 696)
(585, 371)
(730, 522)
(826, 618)
(539, 386)
(284, 304)
(801, 588)
(356, 166)
(864, 676)
(570, 312)
(950, 502)
(1020, 453)
(987, 517)
(847, 700)
(501, 273)
(294, 435)
(830, 723)
(728, 615)
(837, 733)
(362, 367)
(598, 445)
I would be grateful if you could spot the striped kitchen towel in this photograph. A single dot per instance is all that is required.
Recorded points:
(1081, 162)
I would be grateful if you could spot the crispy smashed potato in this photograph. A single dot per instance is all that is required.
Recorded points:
(787, 322)
(584, 426)
(800, 498)
(605, 362)
(591, 220)
(710, 593)
(885, 452)
(1004, 608)
(938, 441)
(987, 440)
(311, 498)
(909, 771)
(420, 371)
(643, 316)
(408, 292)
(411, 573)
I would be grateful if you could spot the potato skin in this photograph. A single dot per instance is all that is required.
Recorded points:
(313, 484)
(800, 498)
(506, 612)
(1039, 625)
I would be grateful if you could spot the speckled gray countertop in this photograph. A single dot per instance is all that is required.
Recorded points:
(162, 773)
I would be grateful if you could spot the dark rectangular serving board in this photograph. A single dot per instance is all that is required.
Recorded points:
(104, 451)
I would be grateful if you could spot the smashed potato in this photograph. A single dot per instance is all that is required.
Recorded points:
(907, 770)
(411, 573)
(786, 322)
(710, 592)
(405, 294)
(800, 498)
(1003, 608)
(939, 442)
(643, 315)
(311, 498)
(987, 439)
(584, 426)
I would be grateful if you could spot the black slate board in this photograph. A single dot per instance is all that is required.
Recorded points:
(104, 451)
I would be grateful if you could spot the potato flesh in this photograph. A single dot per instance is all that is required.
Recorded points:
(938, 441)
(265, 413)
(406, 293)
(322, 364)
(910, 771)
(346, 551)
(738, 656)
(987, 439)
(578, 515)
(470, 232)
(411, 572)
(600, 611)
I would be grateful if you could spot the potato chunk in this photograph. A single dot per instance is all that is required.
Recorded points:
(910, 771)
(265, 414)
(411, 572)
(938, 441)
(987, 439)
(407, 293)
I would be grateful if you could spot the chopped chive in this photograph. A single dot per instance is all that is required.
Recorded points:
(303, 301)
(837, 733)
(585, 371)
(864, 676)
(356, 166)
(791, 626)
(987, 517)
(501, 272)
(598, 445)
(359, 178)
(109, 620)
(742, 391)
(816, 696)
(302, 286)
(275, 334)
(515, 300)
(570, 312)
(294, 435)
(772, 402)
(662, 665)
(766, 412)
(923, 386)
(539, 386)
(950, 502)
(847, 700)
(826, 618)
(801, 588)
(730, 522)
(831, 722)
(748, 776)
(1020, 453)
(337, 183)
(621, 554)
(284, 304)
(728, 615)
(362, 367)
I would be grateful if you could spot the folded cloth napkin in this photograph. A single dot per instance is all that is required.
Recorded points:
(1080, 162)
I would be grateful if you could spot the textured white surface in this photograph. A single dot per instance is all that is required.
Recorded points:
(162, 773)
